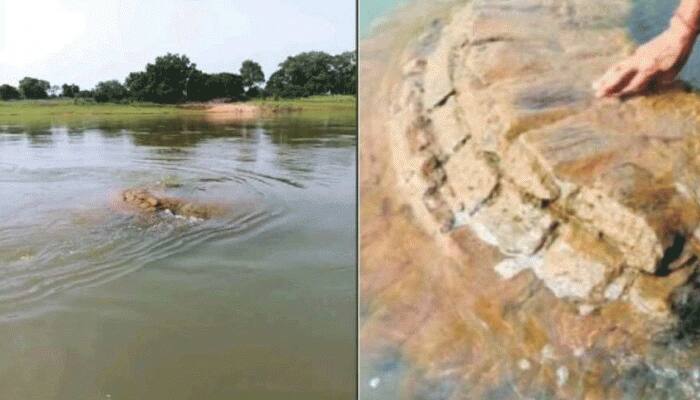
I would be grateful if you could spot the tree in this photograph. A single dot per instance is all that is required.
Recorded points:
(204, 87)
(344, 67)
(305, 74)
(85, 94)
(226, 85)
(251, 74)
(197, 87)
(137, 84)
(32, 88)
(111, 91)
(8, 92)
(314, 73)
(53, 90)
(164, 81)
(70, 90)
(254, 92)
(278, 85)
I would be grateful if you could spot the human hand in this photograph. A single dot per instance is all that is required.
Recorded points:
(656, 62)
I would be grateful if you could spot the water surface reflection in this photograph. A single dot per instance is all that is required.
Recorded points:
(257, 302)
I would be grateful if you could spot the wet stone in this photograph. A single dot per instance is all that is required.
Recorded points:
(516, 227)
(148, 202)
(570, 273)
(573, 223)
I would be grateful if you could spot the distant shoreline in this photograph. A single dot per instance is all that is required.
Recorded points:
(66, 108)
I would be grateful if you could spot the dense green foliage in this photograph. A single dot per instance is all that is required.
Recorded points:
(8, 92)
(164, 81)
(70, 90)
(110, 91)
(345, 73)
(32, 88)
(54, 90)
(204, 87)
(252, 75)
(174, 79)
(85, 94)
(314, 73)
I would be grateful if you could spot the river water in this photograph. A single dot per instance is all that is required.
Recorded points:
(258, 302)
(649, 18)
(372, 12)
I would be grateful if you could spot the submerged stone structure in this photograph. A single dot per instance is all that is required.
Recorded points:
(143, 200)
(496, 132)
(554, 237)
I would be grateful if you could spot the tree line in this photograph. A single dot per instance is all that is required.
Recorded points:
(173, 78)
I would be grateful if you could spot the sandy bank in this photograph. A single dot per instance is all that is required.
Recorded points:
(240, 109)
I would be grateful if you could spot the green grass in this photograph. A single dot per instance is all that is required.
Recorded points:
(312, 103)
(68, 108)
(38, 112)
(314, 107)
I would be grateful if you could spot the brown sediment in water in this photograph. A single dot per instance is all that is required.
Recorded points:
(519, 238)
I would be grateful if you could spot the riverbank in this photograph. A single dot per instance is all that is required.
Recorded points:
(67, 108)
(63, 107)
(313, 103)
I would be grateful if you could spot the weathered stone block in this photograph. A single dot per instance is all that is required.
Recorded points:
(449, 132)
(626, 230)
(470, 181)
(438, 73)
(524, 168)
(515, 226)
(504, 59)
(626, 185)
(569, 272)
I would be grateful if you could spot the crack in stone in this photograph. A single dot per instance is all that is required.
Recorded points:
(495, 39)
(443, 100)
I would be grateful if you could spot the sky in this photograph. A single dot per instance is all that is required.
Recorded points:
(88, 41)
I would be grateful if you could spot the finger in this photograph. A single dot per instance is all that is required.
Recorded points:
(611, 78)
(638, 83)
(667, 77)
(608, 76)
(616, 82)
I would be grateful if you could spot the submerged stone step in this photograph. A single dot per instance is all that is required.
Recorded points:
(619, 165)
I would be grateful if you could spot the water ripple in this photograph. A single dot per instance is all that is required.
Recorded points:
(58, 230)
(98, 254)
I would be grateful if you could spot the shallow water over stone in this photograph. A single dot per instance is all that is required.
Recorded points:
(256, 300)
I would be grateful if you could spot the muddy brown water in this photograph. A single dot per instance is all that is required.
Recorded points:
(258, 302)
